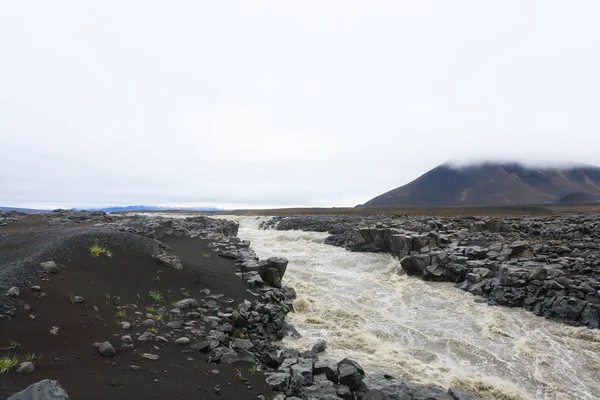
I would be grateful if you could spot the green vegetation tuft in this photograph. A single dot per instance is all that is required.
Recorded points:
(8, 363)
(156, 296)
(12, 344)
(121, 314)
(32, 357)
(98, 249)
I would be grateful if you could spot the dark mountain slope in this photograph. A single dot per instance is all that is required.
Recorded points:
(492, 184)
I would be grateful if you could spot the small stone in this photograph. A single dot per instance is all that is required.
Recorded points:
(125, 325)
(50, 267)
(26, 367)
(135, 367)
(54, 330)
(174, 325)
(78, 299)
(149, 323)
(107, 350)
(186, 303)
(149, 356)
(126, 339)
(13, 292)
(36, 288)
(215, 371)
(182, 340)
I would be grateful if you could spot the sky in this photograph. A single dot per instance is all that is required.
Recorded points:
(273, 103)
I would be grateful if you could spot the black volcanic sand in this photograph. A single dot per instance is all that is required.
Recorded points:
(70, 356)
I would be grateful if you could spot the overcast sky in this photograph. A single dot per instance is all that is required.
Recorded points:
(277, 103)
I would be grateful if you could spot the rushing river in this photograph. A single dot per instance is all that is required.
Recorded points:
(426, 332)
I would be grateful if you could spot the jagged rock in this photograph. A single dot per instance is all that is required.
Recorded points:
(302, 373)
(42, 390)
(169, 260)
(279, 381)
(13, 292)
(186, 303)
(350, 373)
(384, 387)
(327, 368)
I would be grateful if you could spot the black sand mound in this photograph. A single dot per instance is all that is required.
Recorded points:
(115, 289)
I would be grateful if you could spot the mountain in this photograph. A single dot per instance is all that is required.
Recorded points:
(495, 184)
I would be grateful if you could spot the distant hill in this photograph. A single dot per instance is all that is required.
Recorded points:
(118, 209)
(148, 208)
(495, 184)
(25, 210)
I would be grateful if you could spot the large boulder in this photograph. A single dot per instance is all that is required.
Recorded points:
(42, 390)
(273, 270)
(415, 265)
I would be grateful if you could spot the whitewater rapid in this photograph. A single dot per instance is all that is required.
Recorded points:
(430, 333)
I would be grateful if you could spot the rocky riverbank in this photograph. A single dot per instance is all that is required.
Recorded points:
(161, 289)
(547, 265)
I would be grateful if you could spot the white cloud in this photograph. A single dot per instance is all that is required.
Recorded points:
(284, 103)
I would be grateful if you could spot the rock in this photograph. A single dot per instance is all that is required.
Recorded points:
(321, 390)
(540, 273)
(302, 373)
(320, 346)
(415, 265)
(126, 339)
(148, 323)
(107, 350)
(42, 390)
(273, 270)
(327, 368)
(242, 344)
(36, 288)
(350, 373)
(201, 346)
(344, 392)
(186, 303)
(174, 325)
(50, 267)
(461, 394)
(13, 292)
(146, 336)
(125, 325)
(78, 299)
(384, 387)
(149, 356)
(169, 260)
(26, 367)
(182, 340)
(279, 381)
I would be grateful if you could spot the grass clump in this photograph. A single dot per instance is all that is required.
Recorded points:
(121, 314)
(12, 344)
(156, 296)
(32, 357)
(153, 330)
(98, 249)
(7, 363)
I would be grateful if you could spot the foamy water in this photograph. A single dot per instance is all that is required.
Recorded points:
(430, 333)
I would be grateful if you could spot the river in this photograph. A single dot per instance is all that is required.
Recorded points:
(427, 332)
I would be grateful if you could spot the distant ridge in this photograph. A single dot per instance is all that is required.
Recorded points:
(495, 184)
(117, 209)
